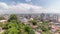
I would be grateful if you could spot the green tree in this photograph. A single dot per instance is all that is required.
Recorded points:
(29, 30)
(11, 25)
(26, 29)
(1, 25)
(14, 26)
(44, 26)
(34, 22)
(13, 31)
(13, 18)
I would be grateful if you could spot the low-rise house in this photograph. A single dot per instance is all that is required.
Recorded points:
(31, 18)
(0, 29)
(54, 28)
(24, 20)
(3, 21)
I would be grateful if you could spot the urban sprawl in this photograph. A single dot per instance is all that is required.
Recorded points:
(43, 23)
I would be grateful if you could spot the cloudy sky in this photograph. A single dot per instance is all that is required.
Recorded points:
(29, 6)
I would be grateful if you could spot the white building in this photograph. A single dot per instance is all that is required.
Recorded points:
(3, 21)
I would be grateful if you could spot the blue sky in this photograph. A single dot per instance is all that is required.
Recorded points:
(35, 2)
(47, 6)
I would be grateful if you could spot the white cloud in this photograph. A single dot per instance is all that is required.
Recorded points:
(3, 5)
(20, 8)
(26, 8)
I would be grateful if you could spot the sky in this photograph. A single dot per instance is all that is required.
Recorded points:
(29, 6)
